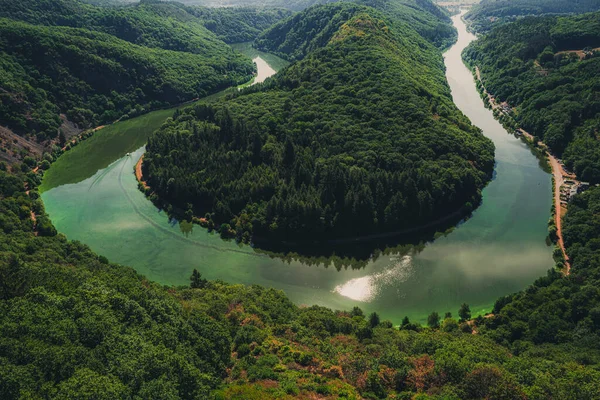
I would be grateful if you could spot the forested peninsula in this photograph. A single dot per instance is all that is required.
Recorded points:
(359, 136)
(547, 69)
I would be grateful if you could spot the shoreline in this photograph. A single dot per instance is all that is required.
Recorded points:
(138, 173)
(558, 174)
(459, 215)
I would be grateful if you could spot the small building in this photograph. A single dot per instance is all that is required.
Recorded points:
(582, 187)
(572, 192)
(578, 188)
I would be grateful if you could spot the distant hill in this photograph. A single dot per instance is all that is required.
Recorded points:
(95, 78)
(488, 13)
(427, 18)
(167, 25)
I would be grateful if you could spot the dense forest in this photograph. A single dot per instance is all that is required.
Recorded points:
(489, 13)
(428, 19)
(167, 25)
(95, 78)
(327, 132)
(75, 326)
(295, 37)
(547, 68)
(98, 64)
(359, 137)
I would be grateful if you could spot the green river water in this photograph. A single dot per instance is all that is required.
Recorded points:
(499, 250)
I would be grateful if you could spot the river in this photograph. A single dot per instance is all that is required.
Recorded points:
(499, 250)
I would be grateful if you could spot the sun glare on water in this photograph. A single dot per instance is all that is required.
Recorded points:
(366, 288)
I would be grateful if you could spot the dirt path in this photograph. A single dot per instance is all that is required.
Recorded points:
(580, 53)
(138, 172)
(559, 175)
(491, 99)
(557, 172)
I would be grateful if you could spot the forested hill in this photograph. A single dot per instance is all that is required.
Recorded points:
(96, 64)
(546, 67)
(489, 13)
(361, 136)
(95, 78)
(431, 21)
(167, 25)
(293, 38)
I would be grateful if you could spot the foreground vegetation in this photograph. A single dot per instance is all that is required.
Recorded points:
(490, 13)
(73, 325)
(546, 67)
(360, 136)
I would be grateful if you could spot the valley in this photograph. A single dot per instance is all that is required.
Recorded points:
(299, 199)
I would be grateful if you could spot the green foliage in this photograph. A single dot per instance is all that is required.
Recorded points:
(360, 136)
(239, 24)
(433, 320)
(295, 37)
(196, 280)
(464, 312)
(528, 64)
(166, 25)
(96, 65)
(489, 13)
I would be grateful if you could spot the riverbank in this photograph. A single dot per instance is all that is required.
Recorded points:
(138, 173)
(558, 172)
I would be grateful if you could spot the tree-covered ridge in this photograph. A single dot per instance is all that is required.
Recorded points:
(489, 13)
(75, 326)
(546, 67)
(95, 78)
(359, 137)
(298, 35)
(166, 25)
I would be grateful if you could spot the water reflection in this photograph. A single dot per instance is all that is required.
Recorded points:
(367, 288)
